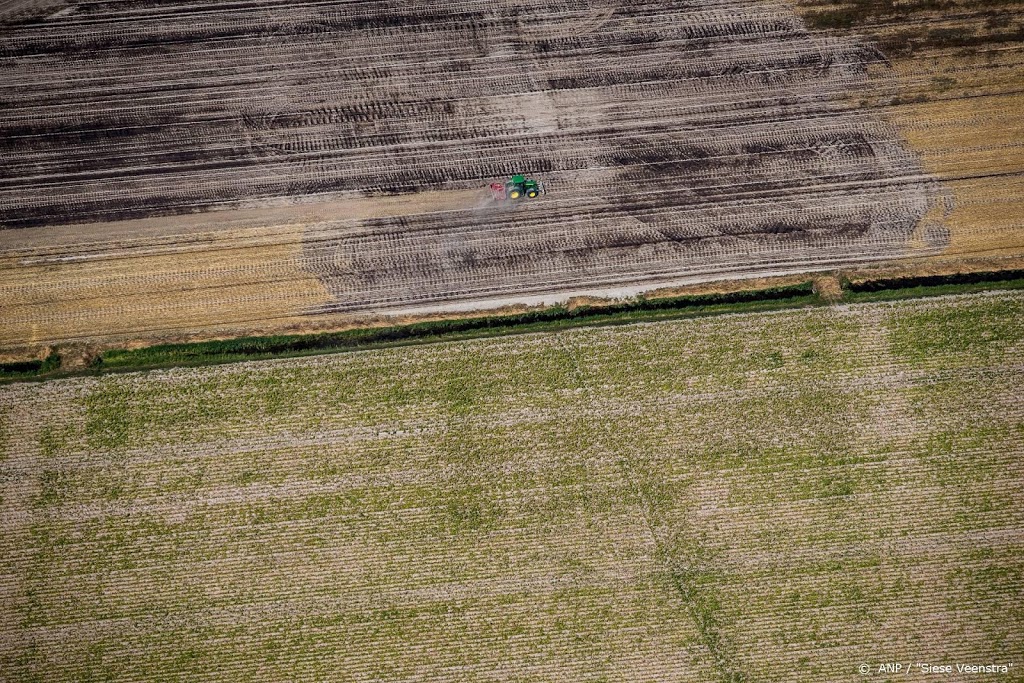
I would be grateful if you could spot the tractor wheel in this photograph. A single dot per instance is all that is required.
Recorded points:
(514, 194)
(531, 193)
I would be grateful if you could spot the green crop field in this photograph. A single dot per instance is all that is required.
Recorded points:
(758, 497)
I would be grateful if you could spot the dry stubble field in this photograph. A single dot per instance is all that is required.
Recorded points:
(757, 497)
(172, 167)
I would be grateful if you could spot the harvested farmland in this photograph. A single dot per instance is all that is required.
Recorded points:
(771, 497)
(176, 167)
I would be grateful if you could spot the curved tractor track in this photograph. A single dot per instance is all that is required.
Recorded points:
(677, 141)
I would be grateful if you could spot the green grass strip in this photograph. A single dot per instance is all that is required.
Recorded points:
(543, 320)
(558, 317)
(931, 285)
(30, 368)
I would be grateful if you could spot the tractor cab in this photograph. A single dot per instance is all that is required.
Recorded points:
(517, 187)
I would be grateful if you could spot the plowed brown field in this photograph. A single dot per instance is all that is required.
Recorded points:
(176, 168)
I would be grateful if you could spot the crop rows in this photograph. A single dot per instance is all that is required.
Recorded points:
(675, 140)
(774, 497)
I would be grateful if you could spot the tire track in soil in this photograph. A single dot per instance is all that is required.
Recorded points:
(676, 140)
(661, 177)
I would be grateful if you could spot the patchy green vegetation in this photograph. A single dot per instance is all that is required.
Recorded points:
(553, 318)
(989, 328)
(542, 320)
(899, 28)
(30, 368)
(932, 285)
(729, 498)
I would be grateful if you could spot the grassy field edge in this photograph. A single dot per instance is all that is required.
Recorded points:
(639, 309)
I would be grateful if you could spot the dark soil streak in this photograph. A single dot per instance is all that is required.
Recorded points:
(672, 137)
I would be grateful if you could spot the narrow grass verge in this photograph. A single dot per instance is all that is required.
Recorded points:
(640, 309)
(542, 320)
(931, 285)
(30, 368)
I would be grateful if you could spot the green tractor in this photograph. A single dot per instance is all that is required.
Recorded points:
(518, 187)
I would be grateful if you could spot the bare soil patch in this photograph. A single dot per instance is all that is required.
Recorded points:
(677, 146)
(196, 173)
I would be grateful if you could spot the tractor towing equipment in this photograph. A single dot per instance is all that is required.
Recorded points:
(517, 187)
